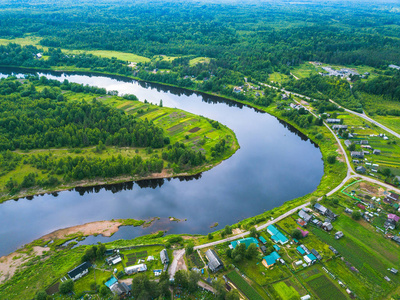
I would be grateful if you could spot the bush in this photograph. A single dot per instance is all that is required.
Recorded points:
(356, 215)
(331, 159)
(66, 287)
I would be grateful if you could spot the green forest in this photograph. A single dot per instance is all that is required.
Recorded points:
(84, 136)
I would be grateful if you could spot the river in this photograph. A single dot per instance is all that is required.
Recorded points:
(275, 163)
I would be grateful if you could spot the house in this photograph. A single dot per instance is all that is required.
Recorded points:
(304, 233)
(361, 169)
(394, 271)
(364, 142)
(396, 239)
(214, 263)
(271, 259)
(333, 121)
(111, 282)
(301, 222)
(320, 208)
(393, 196)
(285, 97)
(247, 241)
(348, 211)
(357, 154)
(310, 258)
(347, 143)
(276, 235)
(262, 239)
(276, 247)
(79, 271)
(359, 205)
(306, 297)
(113, 260)
(317, 222)
(263, 249)
(333, 250)
(327, 226)
(121, 289)
(305, 216)
(301, 250)
(39, 55)
(316, 254)
(376, 152)
(393, 217)
(164, 256)
(337, 127)
(389, 224)
(338, 235)
(135, 269)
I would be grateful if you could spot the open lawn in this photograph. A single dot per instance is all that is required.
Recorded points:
(277, 77)
(35, 41)
(286, 292)
(199, 60)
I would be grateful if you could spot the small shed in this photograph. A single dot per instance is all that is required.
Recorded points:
(327, 226)
(338, 235)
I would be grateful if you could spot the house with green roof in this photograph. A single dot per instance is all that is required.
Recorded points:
(271, 259)
(247, 241)
(276, 235)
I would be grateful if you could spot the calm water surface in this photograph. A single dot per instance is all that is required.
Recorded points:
(274, 164)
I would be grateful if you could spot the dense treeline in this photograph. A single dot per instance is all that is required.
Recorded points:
(45, 123)
(83, 167)
(254, 39)
(388, 86)
(34, 114)
(325, 88)
(15, 55)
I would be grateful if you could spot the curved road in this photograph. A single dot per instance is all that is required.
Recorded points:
(365, 117)
(350, 174)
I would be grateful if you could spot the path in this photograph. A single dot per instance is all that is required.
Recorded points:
(206, 286)
(178, 263)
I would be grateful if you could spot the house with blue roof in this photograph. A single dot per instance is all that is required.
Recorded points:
(111, 282)
(310, 259)
(300, 250)
(276, 247)
(276, 235)
(271, 259)
(262, 239)
(247, 241)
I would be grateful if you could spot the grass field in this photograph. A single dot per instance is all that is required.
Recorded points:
(35, 41)
(361, 249)
(277, 77)
(243, 286)
(199, 60)
(286, 292)
(304, 70)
